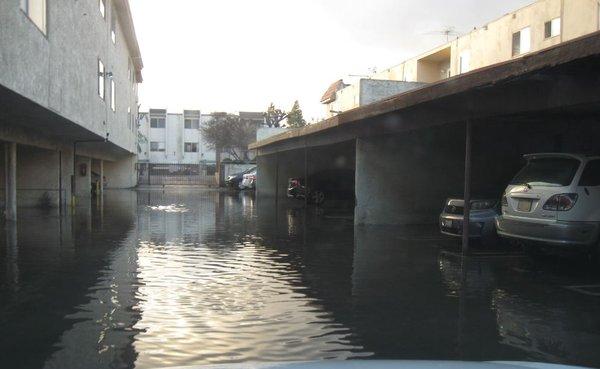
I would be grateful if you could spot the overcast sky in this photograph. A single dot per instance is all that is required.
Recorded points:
(239, 55)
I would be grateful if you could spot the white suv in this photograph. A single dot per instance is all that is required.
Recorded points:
(555, 200)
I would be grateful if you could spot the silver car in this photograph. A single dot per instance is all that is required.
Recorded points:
(482, 219)
(554, 200)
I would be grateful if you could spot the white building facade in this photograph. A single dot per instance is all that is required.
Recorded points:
(170, 138)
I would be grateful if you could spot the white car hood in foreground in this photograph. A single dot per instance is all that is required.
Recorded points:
(385, 364)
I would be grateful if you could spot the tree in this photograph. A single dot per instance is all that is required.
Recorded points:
(230, 134)
(294, 117)
(274, 116)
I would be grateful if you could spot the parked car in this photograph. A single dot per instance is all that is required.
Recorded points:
(482, 219)
(235, 180)
(554, 201)
(331, 184)
(249, 180)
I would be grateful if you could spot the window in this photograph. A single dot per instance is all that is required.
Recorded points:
(591, 174)
(157, 122)
(465, 62)
(36, 11)
(192, 123)
(521, 42)
(552, 28)
(113, 95)
(113, 29)
(547, 172)
(102, 6)
(101, 79)
(129, 123)
(191, 147)
(157, 146)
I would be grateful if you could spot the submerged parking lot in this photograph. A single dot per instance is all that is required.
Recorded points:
(152, 279)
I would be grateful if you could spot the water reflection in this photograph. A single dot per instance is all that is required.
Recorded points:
(155, 279)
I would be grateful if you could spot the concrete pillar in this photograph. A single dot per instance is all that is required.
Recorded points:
(66, 171)
(404, 179)
(98, 175)
(266, 176)
(121, 173)
(83, 177)
(10, 177)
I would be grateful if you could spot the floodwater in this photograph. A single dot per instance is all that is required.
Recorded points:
(155, 279)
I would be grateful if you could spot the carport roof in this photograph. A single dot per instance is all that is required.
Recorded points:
(452, 100)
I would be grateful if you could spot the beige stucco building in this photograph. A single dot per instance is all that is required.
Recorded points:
(542, 24)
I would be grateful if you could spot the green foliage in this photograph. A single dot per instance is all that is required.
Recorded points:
(295, 118)
(229, 133)
(274, 116)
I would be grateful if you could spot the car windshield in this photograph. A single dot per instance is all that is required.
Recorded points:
(547, 172)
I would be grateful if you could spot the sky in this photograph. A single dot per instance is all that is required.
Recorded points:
(241, 55)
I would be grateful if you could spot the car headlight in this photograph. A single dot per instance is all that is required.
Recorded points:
(482, 205)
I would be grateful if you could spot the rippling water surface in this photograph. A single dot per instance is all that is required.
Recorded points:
(154, 279)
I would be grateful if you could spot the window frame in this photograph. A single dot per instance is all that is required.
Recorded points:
(158, 119)
(113, 95)
(102, 8)
(129, 118)
(194, 123)
(521, 50)
(113, 27)
(191, 145)
(548, 27)
(464, 60)
(101, 90)
(158, 146)
(25, 8)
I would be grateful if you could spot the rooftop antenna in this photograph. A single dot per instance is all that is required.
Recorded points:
(445, 31)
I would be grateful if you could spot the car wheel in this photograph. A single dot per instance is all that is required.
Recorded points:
(317, 197)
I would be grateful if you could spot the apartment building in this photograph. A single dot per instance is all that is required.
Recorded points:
(173, 138)
(542, 24)
(69, 74)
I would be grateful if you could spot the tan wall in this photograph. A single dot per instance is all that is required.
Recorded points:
(492, 43)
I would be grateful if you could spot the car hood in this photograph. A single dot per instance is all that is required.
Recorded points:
(385, 364)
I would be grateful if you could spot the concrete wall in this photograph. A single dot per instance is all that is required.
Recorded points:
(367, 91)
(59, 70)
(266, 176)
(83, 181)
(266, 132)
(372, 90)
(121, 173)
(39, 175)
(404, 179)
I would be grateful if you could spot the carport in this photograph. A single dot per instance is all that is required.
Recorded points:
(461, 136)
